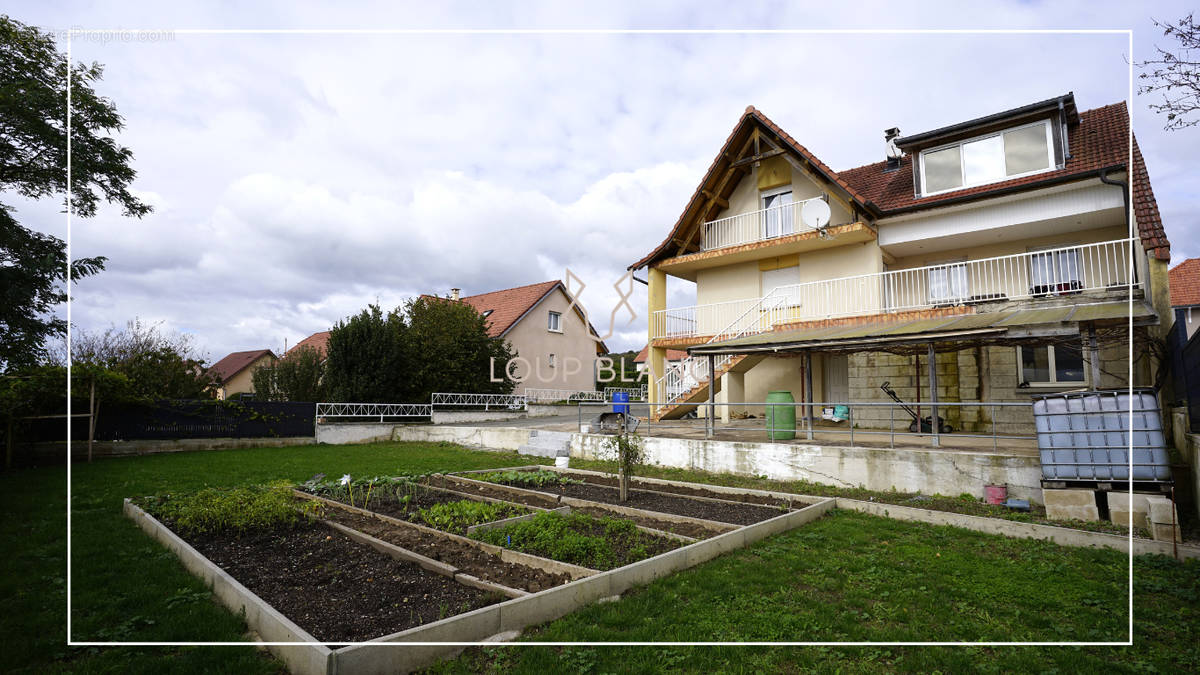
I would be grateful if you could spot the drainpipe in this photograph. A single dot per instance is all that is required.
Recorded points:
(1124, 185)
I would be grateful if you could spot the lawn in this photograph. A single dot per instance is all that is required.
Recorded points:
(844, 577)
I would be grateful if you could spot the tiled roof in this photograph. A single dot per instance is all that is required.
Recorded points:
(509, 304)
(672, 355)
(236, 362)
(1185, 283)
(1100, 140)
(317, 341)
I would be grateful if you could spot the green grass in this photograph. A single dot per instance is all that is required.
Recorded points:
(827, 579)
(856, 577)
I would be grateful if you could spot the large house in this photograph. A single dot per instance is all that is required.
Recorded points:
(555, 344)
(235, 372)
(998, 248)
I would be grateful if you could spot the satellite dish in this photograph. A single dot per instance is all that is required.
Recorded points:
(815, 214)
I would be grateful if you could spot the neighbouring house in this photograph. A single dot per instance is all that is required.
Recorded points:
(556, 347)
(672, 356)
(317, 341)
(990, 258)
(1185, 296)
(236, 370)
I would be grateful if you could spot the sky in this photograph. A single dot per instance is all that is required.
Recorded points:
(296, 178)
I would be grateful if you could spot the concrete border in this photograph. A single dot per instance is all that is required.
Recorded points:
(262, 618)
(1063, 536)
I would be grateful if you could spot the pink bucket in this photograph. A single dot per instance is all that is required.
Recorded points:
(996, 494)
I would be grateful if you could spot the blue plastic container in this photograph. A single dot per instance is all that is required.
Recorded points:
(621, 402)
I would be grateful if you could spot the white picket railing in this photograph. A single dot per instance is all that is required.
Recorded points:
(1060, 271)
(760, 225)
(380, 410)
(560, 395)
(485, 401)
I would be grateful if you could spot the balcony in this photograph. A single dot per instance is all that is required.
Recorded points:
(755, 226)
(1063, 271)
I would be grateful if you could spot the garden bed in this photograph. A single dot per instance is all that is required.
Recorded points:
(334, 588)
(602, 543)
(714, 509)
(469, 559)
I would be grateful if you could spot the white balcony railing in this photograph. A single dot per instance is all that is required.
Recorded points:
(1060, 271)
(761, 225)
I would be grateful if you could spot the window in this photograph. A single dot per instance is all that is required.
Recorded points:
(1055, 364)
(551, 360)
(987, 159)
(487, 313)
(1055, 271)
(781, 286)
(948, 283)
(554, 323)
(777, 217)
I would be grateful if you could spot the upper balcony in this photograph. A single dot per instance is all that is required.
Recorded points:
(1068, 271)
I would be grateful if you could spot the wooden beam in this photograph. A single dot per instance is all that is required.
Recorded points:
(803, 167)
(758, 157)
(716, 199)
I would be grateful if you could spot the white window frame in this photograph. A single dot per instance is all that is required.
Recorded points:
(1052, 368)
(554, 322)
(551, 361)
(762, 203)
(1050, 163)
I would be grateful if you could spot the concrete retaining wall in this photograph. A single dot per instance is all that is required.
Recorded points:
(947, 472)
(467, 416)
(343, 434)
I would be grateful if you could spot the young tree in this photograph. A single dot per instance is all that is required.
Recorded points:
(33, 155)
(298, 376)
(1175, 74)
(629, 452)
(449, 349)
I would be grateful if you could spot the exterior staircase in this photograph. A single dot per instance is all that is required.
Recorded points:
(687, 401)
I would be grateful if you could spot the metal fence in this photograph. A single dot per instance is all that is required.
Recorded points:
(864, 422)
(346, 412)
(533, 395)
(182, 419)
(485, 401)
(1189, 363)
(635, 393)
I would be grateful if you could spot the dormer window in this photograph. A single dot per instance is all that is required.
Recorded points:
(1003, 155)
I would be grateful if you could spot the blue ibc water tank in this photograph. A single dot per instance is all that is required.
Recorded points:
(1087, 436)
(621, 402)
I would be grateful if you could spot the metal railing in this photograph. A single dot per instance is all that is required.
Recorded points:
(485, 401)
(380, 410)
(635, 393)
(1037, 274)
(561, 395)
(864, 421)
(760, 225)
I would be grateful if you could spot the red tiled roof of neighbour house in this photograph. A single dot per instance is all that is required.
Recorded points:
(672, 355)
(236, 362)
(318, 341)
(509, 305)
(1099, 141)
(1184, 280)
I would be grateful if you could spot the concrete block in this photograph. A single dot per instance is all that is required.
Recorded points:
(1120, 513)
(1071, 504)
(1162, 510)
(1165, 532)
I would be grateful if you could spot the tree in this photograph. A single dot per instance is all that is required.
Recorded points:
(157, 364)
(33, 157)
(1175, 75)
(628, 450)
(449, 350)
(365, 360)
(298, 376)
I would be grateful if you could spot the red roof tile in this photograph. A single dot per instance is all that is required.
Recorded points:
(317, 341)
(1185, 283)
(509, 305)
(1100, 140)
(672, 355)
(231, 365)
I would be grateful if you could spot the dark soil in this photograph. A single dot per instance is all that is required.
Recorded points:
(686, 529)
(334, 588)
(728, 512)
(389, 505)
(691, 491)
(496, 493)
(465, 557)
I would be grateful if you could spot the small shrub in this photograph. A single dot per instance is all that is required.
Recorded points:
(458, 516)
(235, 510)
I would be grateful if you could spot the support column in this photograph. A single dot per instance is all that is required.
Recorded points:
(933, 398)
(733, 390)
(1093, 350)
(808, 394)
(710, 421)
(656, 357)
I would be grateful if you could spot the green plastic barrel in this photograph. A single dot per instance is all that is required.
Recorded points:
(781, 419)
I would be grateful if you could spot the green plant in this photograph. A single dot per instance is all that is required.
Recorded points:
(539, 478)
(458, 516)
(234, 510)
(598, 543)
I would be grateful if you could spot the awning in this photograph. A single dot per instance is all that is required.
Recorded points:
(1018, 323)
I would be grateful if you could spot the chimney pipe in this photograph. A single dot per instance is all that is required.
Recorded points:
(894, 154)
(454, 293)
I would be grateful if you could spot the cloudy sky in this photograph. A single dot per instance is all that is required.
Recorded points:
(298, 177)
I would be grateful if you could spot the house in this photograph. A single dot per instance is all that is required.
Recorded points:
(673, 358)
(556, 347)
(317, 341)
(989, 258)
(1185, 296)
(234, 372)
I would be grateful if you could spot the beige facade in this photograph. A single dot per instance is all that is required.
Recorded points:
(242, 382)
(549, 359)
